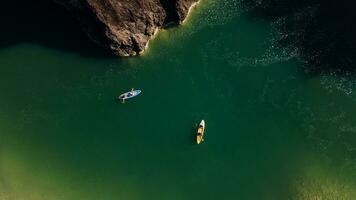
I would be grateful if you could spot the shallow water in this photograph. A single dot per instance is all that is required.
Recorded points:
(272, 132)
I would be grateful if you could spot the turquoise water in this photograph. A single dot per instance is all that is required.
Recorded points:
(272, 131)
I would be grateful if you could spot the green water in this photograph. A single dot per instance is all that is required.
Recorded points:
(272, 131)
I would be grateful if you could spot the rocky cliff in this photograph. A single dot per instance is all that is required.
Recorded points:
(126, 26)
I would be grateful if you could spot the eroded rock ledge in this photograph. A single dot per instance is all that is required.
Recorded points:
(126, 26)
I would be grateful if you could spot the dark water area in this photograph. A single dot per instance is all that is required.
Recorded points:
(321, 32)
(46, 23)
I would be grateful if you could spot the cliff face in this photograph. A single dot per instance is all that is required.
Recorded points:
(125, 26)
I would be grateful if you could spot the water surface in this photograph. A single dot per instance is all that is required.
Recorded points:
(272, 131)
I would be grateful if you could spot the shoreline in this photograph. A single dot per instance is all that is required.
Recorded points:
(190, 10)
(159, 29)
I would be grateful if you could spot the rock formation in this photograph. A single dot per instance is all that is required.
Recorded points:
(126, 26)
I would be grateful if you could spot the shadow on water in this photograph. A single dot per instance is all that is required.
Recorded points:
(46, 23)
(322, 32)
(193, 135)
(172, 17)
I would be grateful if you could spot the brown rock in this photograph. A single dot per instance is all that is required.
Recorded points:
(125, 26)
